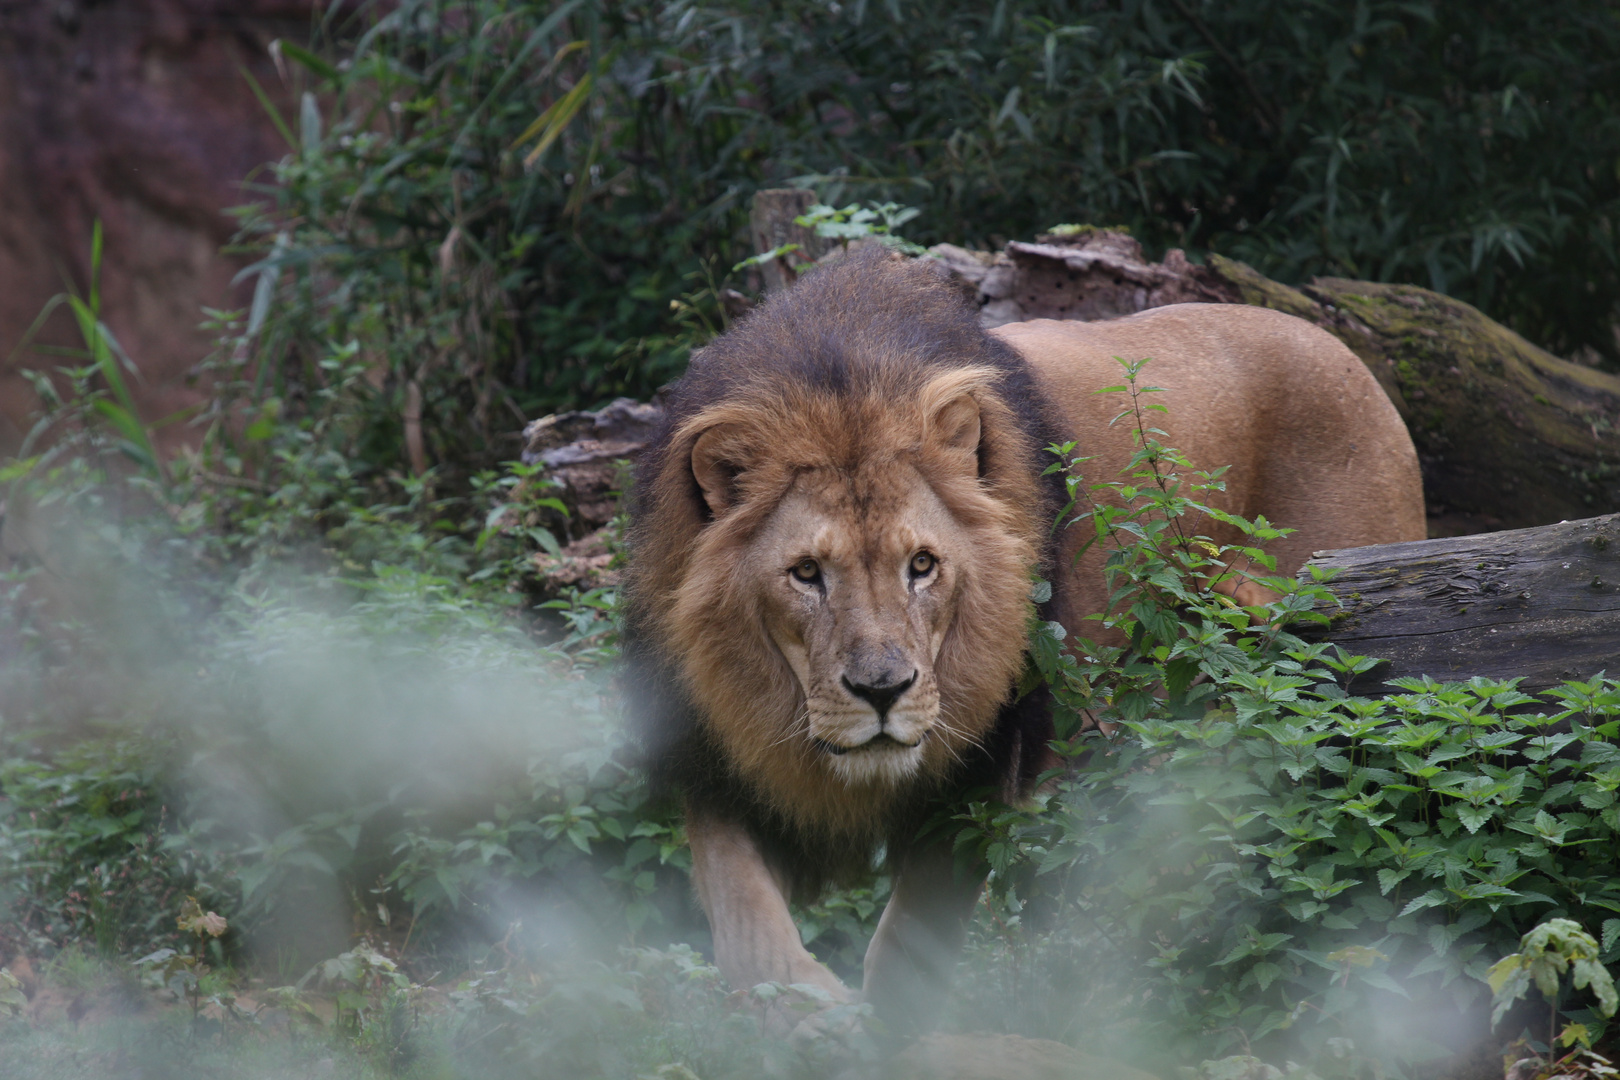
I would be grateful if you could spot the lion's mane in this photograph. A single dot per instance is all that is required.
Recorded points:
(835, 366)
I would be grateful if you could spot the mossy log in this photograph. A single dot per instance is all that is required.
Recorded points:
(1509, 435)
(1542, 604)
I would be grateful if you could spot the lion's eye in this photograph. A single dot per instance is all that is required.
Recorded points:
(922, 564)
(806, 570)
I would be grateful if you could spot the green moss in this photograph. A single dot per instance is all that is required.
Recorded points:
(1488, 398)
(1261, 291)
(1069, 231)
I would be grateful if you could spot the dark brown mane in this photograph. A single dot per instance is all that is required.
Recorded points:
(870, 325)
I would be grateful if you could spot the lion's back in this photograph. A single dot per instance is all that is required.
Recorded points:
(1313, 442)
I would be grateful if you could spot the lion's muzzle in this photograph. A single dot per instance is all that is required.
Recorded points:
(881, 692)
(885, 736)
(881, 741)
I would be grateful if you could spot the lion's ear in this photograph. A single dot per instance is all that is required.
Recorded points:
(717, 460)
(956, 425)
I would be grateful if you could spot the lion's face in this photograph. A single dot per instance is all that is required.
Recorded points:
(860, 614)
(847, 607)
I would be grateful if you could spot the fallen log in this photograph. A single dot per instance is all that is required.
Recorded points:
(1542, 604)
(1508, 435)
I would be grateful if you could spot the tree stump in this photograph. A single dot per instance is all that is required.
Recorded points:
(772, 225)
(1539, 603)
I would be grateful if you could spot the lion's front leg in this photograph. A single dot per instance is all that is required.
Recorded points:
(912, 955)
(755, 939)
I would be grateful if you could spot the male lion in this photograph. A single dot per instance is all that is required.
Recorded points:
(831, 555)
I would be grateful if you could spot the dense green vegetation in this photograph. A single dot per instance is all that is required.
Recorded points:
(296, 677)
(500, 199)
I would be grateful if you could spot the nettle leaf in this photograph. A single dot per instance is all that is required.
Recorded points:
(1432, 898)
(1589, 973)
(1265, 973)
(1544, 826)
(1474, 817)
(1388, 879)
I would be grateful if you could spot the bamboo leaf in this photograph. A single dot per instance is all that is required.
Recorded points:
(515, 66)
(309, 123)
(313, 63)
(551, 123)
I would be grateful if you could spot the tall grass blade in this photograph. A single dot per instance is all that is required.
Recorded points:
(269, 107)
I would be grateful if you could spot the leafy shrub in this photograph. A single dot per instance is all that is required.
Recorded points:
(95, 846)
(316, 691)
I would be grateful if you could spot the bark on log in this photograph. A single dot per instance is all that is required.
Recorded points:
(1539, 603)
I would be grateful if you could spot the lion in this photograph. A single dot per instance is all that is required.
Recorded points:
(832, 544)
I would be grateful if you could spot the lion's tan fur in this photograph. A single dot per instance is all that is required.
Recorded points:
(1311, 441)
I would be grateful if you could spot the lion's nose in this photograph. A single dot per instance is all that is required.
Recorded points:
(881, 695)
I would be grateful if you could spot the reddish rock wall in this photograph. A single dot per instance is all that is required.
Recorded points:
(134, 112)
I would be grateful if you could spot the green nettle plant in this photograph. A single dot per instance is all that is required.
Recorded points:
(1259, 860)
(876, 221)
(1546, 954)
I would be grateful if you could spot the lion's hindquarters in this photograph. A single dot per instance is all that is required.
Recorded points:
(1333, 458)
(1311, 441)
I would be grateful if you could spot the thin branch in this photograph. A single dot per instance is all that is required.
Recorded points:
(1269, 117)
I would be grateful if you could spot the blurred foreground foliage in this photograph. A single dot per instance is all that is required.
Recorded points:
(518, 206)
(344, 734)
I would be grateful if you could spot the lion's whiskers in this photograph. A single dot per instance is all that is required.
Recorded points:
(946, 724)
(801, 719)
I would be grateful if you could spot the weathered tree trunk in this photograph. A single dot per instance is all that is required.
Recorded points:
(1539, 603)
(772, 226)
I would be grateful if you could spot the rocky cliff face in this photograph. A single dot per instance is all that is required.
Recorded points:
(133, 112)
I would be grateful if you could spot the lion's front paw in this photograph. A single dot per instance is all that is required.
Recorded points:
(806, 1013)
(837, 1035)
